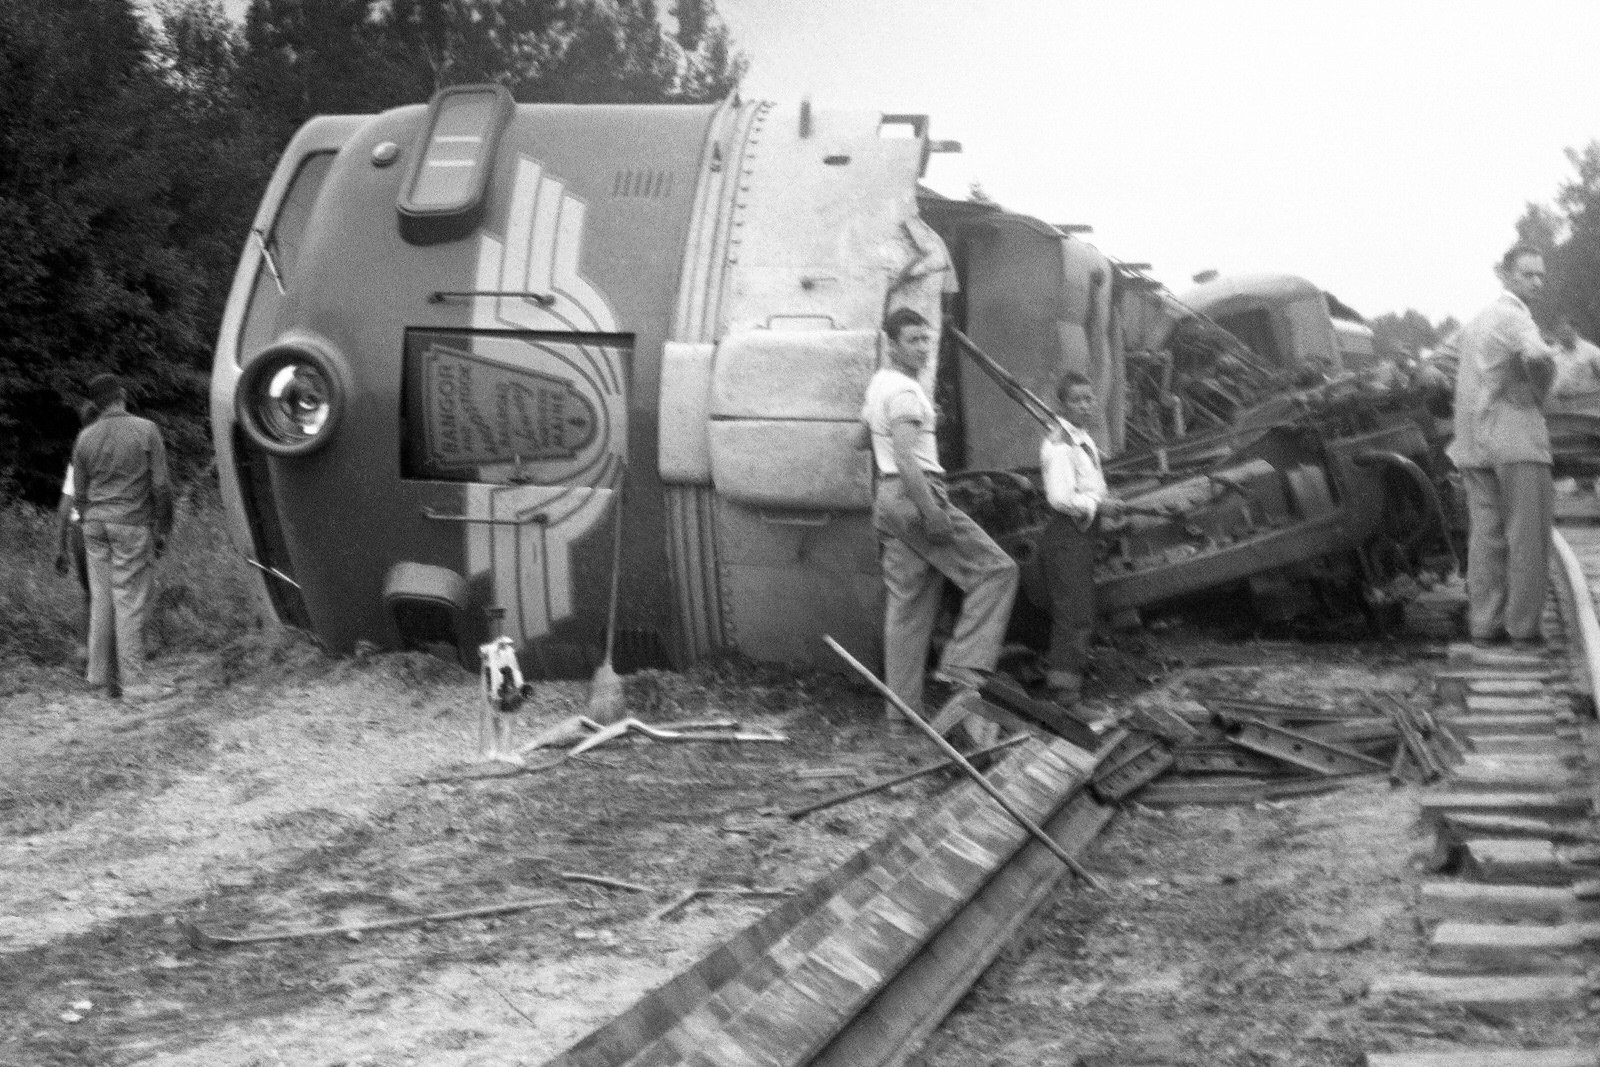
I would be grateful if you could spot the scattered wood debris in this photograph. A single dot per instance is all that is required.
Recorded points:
(886, 783)
(688, 896)
(1231, 750)
(583, 733)
(199, 938)
(602, 880)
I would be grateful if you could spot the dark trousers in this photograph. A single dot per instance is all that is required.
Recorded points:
(1066, 561)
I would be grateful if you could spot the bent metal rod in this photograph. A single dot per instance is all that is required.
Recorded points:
(972, 772)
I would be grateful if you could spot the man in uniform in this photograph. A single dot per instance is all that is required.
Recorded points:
(923, 536)
(1502, 449)
(1075, 486)
(124, 494)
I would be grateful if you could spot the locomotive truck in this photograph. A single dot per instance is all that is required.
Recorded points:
(467, 339)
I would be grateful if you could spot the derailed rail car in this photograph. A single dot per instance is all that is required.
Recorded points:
(462, 332)
(467, 339)
(1320, 489)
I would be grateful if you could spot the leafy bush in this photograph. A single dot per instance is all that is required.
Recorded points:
(200, 599)
(202, 596)
(42, 615)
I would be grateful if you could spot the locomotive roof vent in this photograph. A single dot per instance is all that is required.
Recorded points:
(645, 183)
(446, 186)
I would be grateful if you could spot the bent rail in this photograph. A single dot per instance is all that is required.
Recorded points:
(1581, 603)
(873, 955)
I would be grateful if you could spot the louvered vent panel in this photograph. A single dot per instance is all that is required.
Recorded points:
(642, 184)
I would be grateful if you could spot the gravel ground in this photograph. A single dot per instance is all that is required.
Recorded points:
(1245, 936)
(280, 789)
(331, 793)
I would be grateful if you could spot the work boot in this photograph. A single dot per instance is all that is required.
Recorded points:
(146, 692)
(956, 709)
(1065, 687)
(959, 677)
(981, 731)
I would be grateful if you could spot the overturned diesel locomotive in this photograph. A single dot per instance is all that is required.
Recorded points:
(468, 339)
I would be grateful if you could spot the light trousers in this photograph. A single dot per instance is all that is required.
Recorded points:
(914, 570)
(121, 566)
(1510, 509)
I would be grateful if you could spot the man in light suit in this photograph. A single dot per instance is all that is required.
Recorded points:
(1502, 449)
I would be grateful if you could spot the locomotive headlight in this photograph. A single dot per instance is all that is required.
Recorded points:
(295, 403)
(290, 398)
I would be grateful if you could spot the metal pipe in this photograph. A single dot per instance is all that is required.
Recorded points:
(899, 779)
(972, 772)
(1583, 604)
(1008, 382)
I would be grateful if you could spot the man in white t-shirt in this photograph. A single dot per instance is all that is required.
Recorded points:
(1075, 486)
(923, 536)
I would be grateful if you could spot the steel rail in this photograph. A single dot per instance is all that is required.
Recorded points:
(1582, 605)
(858, 967)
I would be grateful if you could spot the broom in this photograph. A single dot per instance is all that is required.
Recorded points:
(607, 703)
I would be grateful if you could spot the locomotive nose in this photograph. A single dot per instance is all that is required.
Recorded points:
(292, 396)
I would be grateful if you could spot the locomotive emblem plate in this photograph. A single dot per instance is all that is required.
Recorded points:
(481, 412)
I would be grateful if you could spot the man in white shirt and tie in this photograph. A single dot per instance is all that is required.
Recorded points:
(1075, 485)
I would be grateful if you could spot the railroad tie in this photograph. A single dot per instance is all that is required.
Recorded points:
(1569, 1057)
(1516, 933)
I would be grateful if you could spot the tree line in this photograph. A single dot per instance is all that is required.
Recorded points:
(135, 144)
(1567, 231)
(134, 148)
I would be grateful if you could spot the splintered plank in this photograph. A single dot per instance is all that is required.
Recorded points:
(1525, 860)
(1499, 660)
(1531, 804)
(1465, 825)
(1503, 772)
(1505, 687)
(1454, 684)
(1558, 743)
(1457, 947)
(1518, 704)
(1501, 996)
(1489, 1057)
(1171, 793)
(1508, 903)
(1546, 725)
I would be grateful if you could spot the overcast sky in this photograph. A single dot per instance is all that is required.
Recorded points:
(1382, 149)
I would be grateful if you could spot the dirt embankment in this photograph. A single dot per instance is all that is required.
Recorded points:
(334, 793)
(281, 789)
